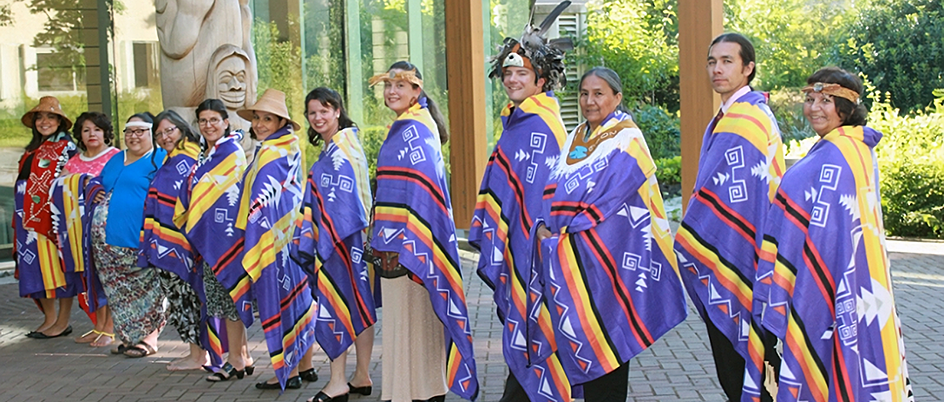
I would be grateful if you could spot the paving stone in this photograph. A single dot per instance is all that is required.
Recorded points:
(678, 367)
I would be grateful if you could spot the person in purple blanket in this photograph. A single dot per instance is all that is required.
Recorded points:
(268, 214)
(823, 275)
(330, 241)
(414, 237)
(162, 244)
(205, 213)
(739, 169)
(605, 262)
(509, 201)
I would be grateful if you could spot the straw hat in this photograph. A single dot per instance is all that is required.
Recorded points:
(47, 104)
(271, 101)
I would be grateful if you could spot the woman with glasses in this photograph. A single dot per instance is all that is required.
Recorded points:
(162, 244)
(206, 210)
(134, 294)
(38, 265)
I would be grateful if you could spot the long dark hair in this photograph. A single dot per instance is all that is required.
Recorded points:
(38, 139)
(215, 105)
(430, 104)
(747, 50)
(852, 114)
(100, 120)
(186, 132)
(327, 97)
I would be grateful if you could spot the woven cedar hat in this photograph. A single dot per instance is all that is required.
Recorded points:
(47, 104)
(271, 101)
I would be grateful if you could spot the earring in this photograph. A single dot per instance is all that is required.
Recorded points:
(412, 101)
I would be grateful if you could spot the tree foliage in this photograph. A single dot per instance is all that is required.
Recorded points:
(791, 37)
(900, 46)
(638, 40)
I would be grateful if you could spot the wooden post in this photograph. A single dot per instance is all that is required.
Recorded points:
(699, 22)
(465, 69)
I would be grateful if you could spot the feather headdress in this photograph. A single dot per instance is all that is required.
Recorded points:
(533, 50)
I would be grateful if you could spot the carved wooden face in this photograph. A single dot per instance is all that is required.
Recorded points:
(231, 81)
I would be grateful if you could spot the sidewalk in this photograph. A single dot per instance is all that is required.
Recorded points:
(676, 368)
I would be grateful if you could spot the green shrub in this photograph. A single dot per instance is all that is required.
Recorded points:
(911, 161)
(669, 171)
(787, 107)
(661, 130)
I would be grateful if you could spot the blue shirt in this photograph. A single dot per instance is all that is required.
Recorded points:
(128, 185)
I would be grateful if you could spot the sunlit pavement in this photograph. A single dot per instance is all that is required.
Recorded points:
(676, 368)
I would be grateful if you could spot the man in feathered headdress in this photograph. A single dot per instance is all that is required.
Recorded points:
(509, 200)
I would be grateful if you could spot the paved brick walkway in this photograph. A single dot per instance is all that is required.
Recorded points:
(677, 368)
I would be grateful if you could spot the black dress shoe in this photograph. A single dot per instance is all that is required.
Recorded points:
(40, 335)
(323, 397)
(308, 375)
(292, 383)
(360, 390)
(440, 398)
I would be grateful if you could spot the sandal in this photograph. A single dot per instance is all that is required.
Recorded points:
(82, 339)
(120, 349)
(109, 336)
(226, 373)
(140, 350)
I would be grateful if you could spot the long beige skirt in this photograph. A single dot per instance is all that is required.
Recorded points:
(414, 353)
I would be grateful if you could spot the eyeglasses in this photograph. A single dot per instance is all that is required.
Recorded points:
(136, 132)
(167, 132)
(213, 121)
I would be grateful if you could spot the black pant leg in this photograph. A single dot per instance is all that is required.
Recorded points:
(514, 392)
(609, 388)
(772, 358)
(728, 363)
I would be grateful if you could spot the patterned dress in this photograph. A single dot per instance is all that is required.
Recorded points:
(164, 247)
(38, 265)
(134, 293)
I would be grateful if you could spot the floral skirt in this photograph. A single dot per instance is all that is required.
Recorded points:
(219, 303)
(134, 293)
(183, 306)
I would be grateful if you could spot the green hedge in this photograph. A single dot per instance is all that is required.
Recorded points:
(911, 161)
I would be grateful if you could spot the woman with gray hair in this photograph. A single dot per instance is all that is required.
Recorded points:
(162, 244)
(605, 245)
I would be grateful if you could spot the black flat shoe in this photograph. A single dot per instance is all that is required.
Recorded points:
(309, 375)
(323, 397)
(361, 390)
(292, 383)
(40, 335)
(226, 373)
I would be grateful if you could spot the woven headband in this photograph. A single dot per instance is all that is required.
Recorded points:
(403, 75)
(834, 90)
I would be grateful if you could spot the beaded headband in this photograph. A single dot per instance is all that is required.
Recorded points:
(834, 90)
